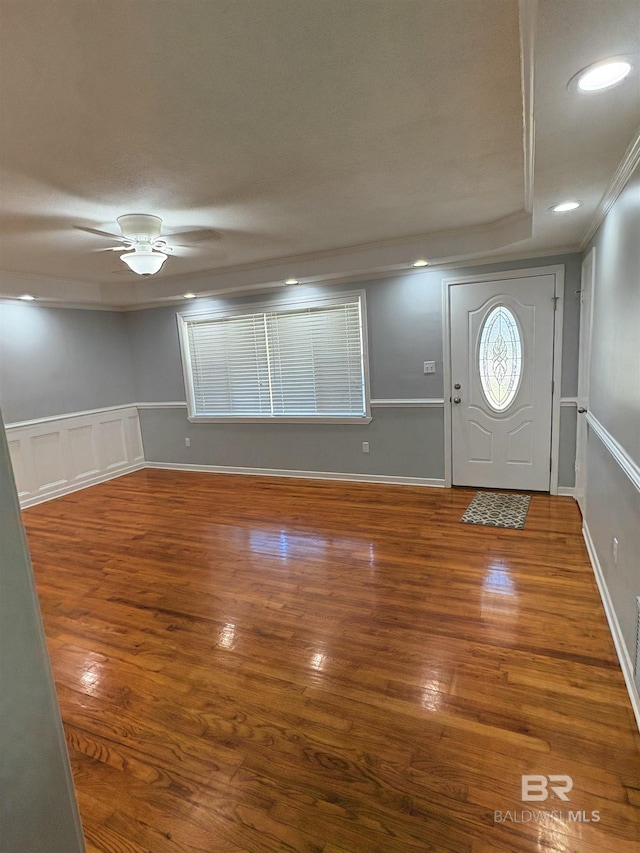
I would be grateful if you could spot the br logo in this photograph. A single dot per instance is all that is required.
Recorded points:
(536, 788)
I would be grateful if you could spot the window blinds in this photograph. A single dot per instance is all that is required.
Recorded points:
(296, 363)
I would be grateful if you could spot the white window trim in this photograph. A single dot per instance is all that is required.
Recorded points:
(184, 317)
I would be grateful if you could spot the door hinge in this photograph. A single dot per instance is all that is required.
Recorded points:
(555, 302)
(550, 465)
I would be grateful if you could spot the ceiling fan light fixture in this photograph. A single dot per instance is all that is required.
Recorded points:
(144, 262)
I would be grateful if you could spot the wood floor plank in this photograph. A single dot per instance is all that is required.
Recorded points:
(256, 664)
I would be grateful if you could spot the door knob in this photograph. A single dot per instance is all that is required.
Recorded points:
(457, 400)
(581, 410)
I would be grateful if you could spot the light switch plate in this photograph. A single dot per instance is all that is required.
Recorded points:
(429, 367)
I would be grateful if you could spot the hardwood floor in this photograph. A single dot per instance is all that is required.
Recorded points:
(255, 664)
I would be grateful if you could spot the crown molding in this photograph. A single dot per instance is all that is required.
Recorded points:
(470, 263)
(620, 179)
(528, 13)
(387, 256)
(42, 302)
(52, 291)
(505, 231)
(36, 278)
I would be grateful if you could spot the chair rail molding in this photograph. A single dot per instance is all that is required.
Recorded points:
(628, 465)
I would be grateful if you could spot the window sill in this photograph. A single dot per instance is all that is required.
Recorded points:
(204, 419)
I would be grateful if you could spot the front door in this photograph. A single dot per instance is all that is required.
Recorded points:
(502, 335)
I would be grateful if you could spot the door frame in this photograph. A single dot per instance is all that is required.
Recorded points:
(557, 270)
(587, 285)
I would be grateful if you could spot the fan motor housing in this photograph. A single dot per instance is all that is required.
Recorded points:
(142, 227)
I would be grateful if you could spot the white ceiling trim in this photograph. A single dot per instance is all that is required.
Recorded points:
(353, 278)
(350, 278)
(528, 16)
(14, 285)
(386, 256)
(435, 245)
(383, 258)
(623, 173)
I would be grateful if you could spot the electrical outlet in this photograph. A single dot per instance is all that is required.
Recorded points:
(429, 367)
(365, 446)
(187, 442)
(615, 551)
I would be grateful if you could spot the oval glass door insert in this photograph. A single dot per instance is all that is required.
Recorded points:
(500, 358)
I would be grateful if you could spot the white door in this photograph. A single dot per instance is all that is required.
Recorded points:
(586, 320)
(502, 335)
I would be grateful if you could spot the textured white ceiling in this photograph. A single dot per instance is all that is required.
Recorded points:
(296, 130)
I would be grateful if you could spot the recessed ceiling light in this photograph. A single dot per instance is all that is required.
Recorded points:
(602, 75)
(27, 297)
(292, 281)
(421, 262)
(565, 206)
(189, 295)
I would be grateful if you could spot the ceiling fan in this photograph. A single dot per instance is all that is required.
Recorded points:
(144, 248)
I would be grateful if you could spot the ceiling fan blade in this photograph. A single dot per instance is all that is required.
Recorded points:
(100, 233)
(122, 248)
(195, 235)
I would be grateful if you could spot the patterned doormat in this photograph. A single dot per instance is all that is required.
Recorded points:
(497, 509)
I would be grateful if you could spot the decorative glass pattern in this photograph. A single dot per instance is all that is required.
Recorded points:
(500, 358)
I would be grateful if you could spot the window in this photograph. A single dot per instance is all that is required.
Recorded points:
(290, 363)
(500, 358)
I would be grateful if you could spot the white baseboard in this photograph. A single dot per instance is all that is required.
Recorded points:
(77, 486)
(302, 475)
(567, 491)
(614, 626)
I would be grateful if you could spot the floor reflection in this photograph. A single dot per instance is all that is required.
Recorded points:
(227, 636)
(287, 544)
(284, 544)
(318, 661)
(431, 696)
(91, 677)
(499, 601)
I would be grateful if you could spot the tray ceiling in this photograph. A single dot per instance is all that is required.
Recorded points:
(313, 139)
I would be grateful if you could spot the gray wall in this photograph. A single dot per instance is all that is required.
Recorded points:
(37, 804)
(612, 502)
(405, 329)
(615, 345)
(55, 361)
(403, 443)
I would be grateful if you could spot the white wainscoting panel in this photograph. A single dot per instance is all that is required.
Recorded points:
(19, 468)
(84, 452)
(55, 456)
(112, 443)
